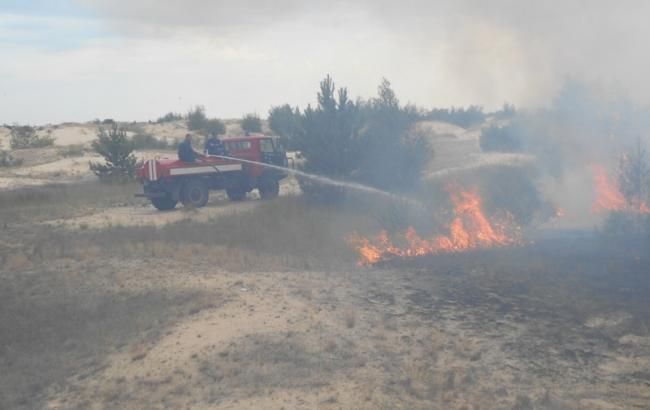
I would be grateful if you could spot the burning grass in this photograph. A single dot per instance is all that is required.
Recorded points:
(609, 197)
(469, 229)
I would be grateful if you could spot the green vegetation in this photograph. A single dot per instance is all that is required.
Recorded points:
(501, 139)
(214, 126)
(284, 121)
(634, 176)
(367, 142)
(26, 137)
(463, 117)
(169, 117)
(196, 119)
(117, 150)
(143, 140)
(251, 123)
(7, 160)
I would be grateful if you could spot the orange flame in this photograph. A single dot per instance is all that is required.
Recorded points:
(609, 196)
(470, 229)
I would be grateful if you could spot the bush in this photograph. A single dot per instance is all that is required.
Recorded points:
(251, 123)
(26, 137)
(8, 160)
(501, 139)
(463, 117)
(634, 176)
(330, 133)
(285, 122)
(117, 150)
(196, 119)
(169, 117)
(391, 157)
(363, 142)
(144, 140)
(214, 126)
(74, 150)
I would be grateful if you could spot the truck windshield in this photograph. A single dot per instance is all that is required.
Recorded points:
(266, 145)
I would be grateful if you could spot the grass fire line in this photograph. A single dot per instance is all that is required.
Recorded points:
(609, 196)
(469, 229)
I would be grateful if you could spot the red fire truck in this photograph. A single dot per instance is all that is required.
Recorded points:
(168, 181)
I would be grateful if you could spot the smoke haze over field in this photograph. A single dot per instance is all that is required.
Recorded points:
(75, 60)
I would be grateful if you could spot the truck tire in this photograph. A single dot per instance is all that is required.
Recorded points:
(236, 193)
(269, 188)
(164, 203)
(194, 193)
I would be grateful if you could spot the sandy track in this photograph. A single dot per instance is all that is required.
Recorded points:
(146, 214)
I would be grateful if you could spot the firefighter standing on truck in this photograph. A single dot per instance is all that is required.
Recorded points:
(214, 146)
(185, 151)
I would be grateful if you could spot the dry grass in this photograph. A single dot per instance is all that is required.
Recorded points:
(34, 204)
(261, 363)
(284, 233)
(55, 324)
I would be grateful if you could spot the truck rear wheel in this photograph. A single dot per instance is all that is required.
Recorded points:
(164, 203)
(269, 188)
(194, 193)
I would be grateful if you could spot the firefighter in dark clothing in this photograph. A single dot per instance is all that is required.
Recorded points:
(185, 151)
(214, 146)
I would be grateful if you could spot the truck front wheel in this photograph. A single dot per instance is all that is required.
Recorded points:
(194, 193)
(164, 203)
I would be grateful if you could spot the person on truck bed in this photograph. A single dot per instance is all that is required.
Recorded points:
(214, 146)
(185, 151)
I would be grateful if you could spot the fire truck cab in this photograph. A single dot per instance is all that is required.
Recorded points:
(169, 181)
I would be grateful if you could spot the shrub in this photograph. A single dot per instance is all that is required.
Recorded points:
(251, 123)
(391, 157)
(196, 118)
(463, 117)
(169, 117)
(364, 142)
(117, 150)
(285, 122)
(634, 176)
(502, 139)
(142, 140)
(8, 160)
(74, 150)
(329, 139)
(214, 126)
(26, 137)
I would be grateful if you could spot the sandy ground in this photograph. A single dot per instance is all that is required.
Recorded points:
(366, 339)
(147, 215)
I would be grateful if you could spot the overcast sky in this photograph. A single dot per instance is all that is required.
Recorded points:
(76, 60)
